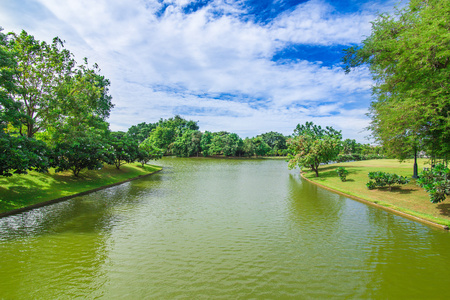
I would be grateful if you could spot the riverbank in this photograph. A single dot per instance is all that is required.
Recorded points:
(36, 189)
(408, 199)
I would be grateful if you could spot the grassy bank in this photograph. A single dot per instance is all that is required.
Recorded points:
(408, 198)
(24, 190)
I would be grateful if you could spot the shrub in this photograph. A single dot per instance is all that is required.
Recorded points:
(371, 185)
(436, 182)
(385, 179)
(342, 173)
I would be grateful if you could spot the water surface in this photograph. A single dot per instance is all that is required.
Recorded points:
(221, 229)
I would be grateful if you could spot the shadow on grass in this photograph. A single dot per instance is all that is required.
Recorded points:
(396, 190)
(444, 209)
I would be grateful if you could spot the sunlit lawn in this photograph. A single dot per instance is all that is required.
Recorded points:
(23, 190)
(408, 198)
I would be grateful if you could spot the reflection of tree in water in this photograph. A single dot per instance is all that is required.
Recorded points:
(307, 201)
(375, 254)
(332, 231)
(59, 250)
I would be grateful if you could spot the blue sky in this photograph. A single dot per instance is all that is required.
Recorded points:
(244, 66)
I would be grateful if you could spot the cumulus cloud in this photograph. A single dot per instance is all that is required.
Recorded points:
(213, 64)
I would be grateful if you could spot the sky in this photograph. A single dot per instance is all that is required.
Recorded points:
(242, 66)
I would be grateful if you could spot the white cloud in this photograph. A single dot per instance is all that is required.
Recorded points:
(315, 22)
(160, 65)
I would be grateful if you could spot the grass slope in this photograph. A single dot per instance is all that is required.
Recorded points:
(409, 198)
(23, 190)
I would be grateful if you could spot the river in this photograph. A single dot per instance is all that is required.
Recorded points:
(220, 229)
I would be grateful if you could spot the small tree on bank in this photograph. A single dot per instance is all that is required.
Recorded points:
(312, 145)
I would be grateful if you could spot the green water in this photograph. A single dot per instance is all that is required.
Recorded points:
(220, 229)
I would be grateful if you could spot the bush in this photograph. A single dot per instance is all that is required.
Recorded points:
(371, 185)
(436, 183)
(385, 179)
(342, 173)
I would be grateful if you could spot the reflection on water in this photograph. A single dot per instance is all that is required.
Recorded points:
(207, 228)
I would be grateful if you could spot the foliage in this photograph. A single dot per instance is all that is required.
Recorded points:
(9, 108)
(436, 182)
(409, 57)
(83, 152)
(385, 179)
(261, 147)
(342, 173)
(188, 144)
(312, 145)
(232, 145)
(50, 87)
(141, 131)
(248, 147)
(19, 154)
(205, 142)
(147, 151)
(221, 143)
(164, 133)
(276, 142)
(123, 149)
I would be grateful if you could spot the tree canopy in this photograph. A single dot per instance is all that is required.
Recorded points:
(313, 145)
(408, 54)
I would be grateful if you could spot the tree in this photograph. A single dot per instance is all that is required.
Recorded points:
(205, 142)
(276, 141)
(148, 151)
(188, 144)
(261, 147)
(124, 149)
(232, 145)
(224, 143)
(17, 154)
(51, 88)
(20, 154)
(248, 147)
(312, 145)
(409, 57)
(82, 152)
(41, 70)
(162, 137)
(141, 131)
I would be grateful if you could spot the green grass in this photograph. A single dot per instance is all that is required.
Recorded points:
(20, 191)
(409, 198)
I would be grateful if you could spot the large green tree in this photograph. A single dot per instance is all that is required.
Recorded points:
(408, 54)
(50, 86)
(17, 154)
(313, 145)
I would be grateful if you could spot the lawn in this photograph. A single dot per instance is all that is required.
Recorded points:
(20, 191)
(409, 198)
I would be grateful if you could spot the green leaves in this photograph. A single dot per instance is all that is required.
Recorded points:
(408, 54)
(436, 182)
(342, 173)
(385, 179)
(312, 146)
(20, 154)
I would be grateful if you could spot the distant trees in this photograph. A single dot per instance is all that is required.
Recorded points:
(354, 151)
